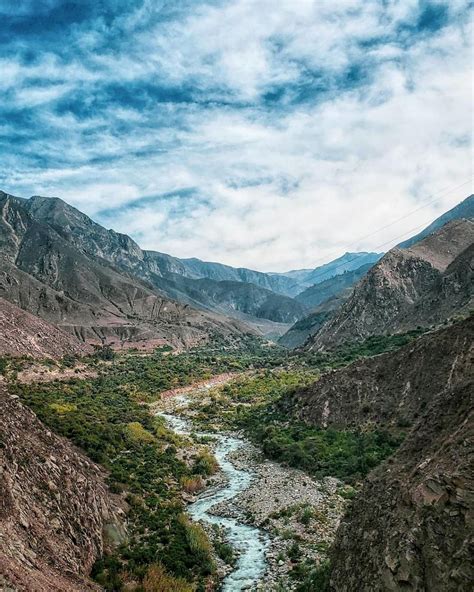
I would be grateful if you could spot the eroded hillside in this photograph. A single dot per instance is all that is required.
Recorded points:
(54, 507)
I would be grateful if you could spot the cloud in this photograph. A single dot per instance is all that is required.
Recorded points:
(270, 135)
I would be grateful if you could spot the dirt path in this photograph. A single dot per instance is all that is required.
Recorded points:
(202, 384)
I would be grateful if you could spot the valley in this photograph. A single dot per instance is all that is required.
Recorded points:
(214, 454)
(236, 296)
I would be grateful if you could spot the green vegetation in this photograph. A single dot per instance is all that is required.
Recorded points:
(310, 578)
(346, 454)
(105, 418)
(256, 404)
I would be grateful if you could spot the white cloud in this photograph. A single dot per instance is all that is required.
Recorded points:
(270, 186)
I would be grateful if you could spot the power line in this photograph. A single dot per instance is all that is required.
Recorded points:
(443, 192)
(420, 227)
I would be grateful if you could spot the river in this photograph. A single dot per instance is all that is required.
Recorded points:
(249, 542)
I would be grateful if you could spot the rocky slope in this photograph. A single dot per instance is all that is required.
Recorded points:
(410, 526)
(47, 273)
(325, 299)
(465, 209)
(207, 286)
(54, 507)
(23, 334)
(392, 389)
(419, 286)
(305, 328)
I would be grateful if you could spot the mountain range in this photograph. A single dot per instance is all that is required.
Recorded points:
(99, 286)
(422, 281)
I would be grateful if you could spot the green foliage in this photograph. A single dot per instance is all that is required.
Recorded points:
(312, 579)
(205, 464)
(3, 365)
(346, 454)
(225, 552)
(104, 352)
(103, 417)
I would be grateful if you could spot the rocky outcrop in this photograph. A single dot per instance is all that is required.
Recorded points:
(420, 286)
(410, 528)
(23, 334)
(54, 507)
(392, 389)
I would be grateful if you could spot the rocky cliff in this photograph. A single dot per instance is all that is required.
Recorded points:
(54, 507)
(419, 286)
(410, 528)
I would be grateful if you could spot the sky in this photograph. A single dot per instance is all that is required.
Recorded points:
(271, 134)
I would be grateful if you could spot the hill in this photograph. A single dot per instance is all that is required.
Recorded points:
(23, 334)
(49, 542)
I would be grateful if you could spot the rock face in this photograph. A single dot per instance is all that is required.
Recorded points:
(23, 334)
(54, 506)
(391, 389)
(47, 271)
(420, 286)
(410, 527)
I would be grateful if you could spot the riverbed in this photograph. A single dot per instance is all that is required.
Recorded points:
(249, 542)
(263, 508)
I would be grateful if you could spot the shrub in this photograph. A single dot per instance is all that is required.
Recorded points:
(192, 484)
(137, 434)
(63, 408)
(158, 580)
(206, 464)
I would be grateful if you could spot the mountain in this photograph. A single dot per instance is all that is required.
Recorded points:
(299, 333)
(197, 269)
(325, 299)
(347, 262)
(23, 334)
(55, 507)
(409, 527)
(419, 286)
(61, 276)
(338, 285)
(465, 209)
(178, 279)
